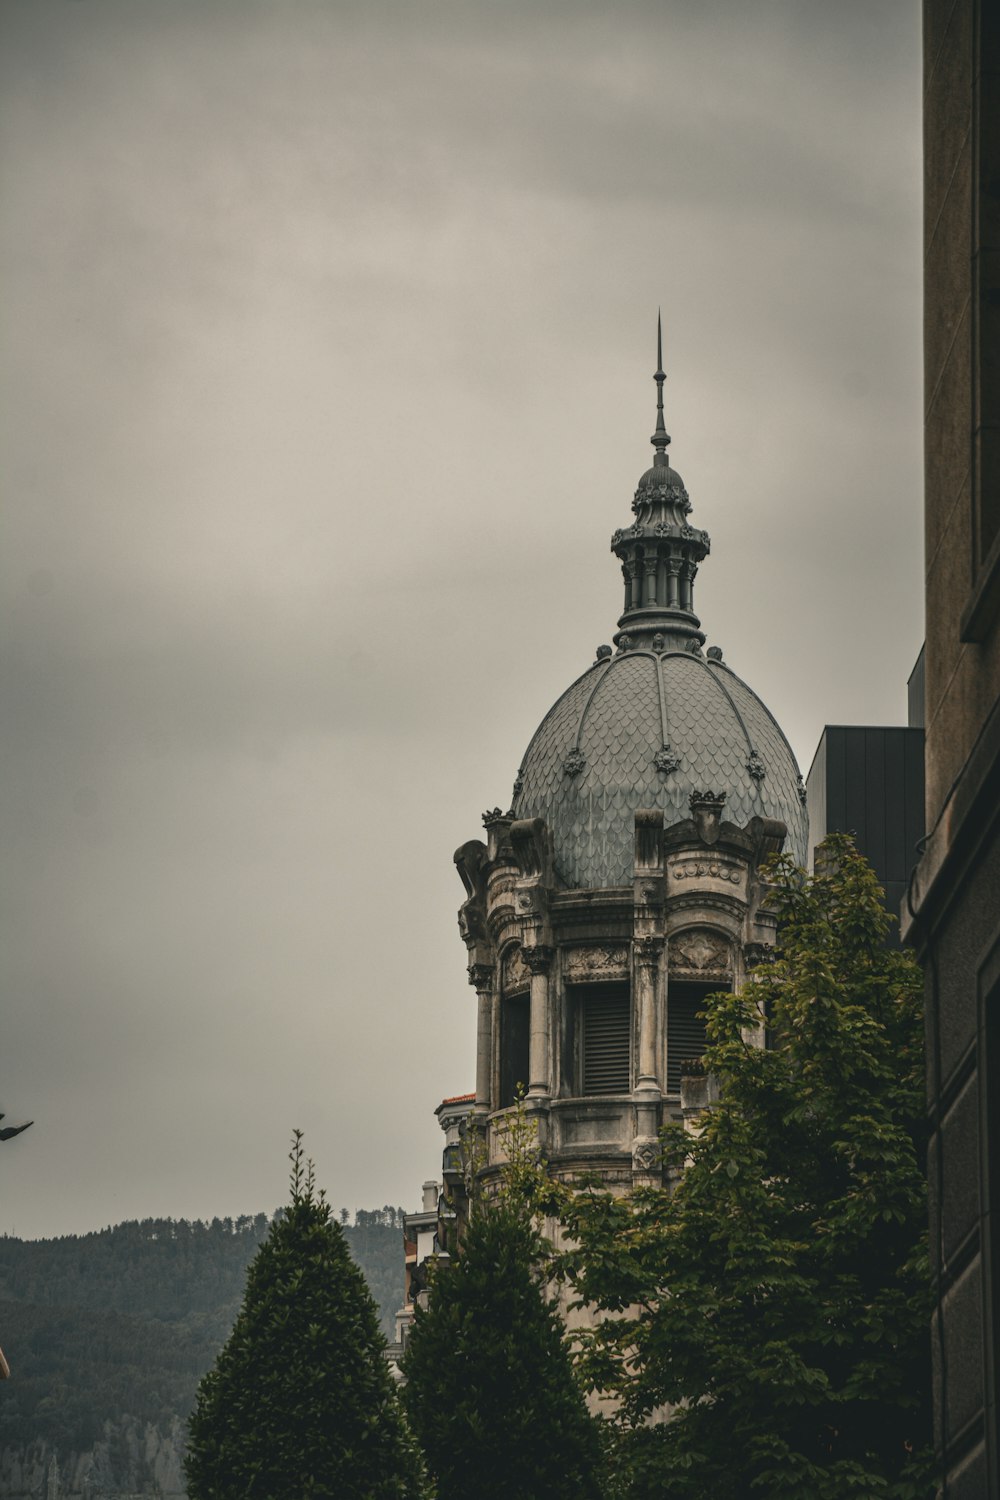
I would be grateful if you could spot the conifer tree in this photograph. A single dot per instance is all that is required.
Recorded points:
(300, 1402)
(490, 1390)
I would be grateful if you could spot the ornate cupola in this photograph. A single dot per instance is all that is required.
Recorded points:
(660, 551)
(622, 887)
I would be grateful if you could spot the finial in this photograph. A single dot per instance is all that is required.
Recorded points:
(661, 437)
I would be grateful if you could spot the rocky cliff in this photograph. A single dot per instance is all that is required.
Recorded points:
(132, 1461)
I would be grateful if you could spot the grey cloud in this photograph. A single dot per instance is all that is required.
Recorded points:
(325, 380)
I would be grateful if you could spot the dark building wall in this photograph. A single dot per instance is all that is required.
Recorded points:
(961, 375)
(869, 781)
(953, 916)
(915, 694)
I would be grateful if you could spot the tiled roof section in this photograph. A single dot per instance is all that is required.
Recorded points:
(460, 1098)
(782, 773)
(593, 760)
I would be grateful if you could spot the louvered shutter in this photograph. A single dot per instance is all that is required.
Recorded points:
(606, 1041)
(685, 1030)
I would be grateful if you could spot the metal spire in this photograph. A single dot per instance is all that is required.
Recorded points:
(661, 437)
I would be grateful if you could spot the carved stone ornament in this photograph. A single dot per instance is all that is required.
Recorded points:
(666, 761)
(710, 801)
(574, 762)
(491, 816)
(666, 493)
(531, 843)
(604, 961)
(658, 641)
(706, 868)
(500, 888)
(481, 976)
(470, 861)
(756, 766)
(471, 923)
(700, 951)
(538, 959)
(624, 643)
(516, 974)
(649, 950)
(519, 782)
(648, 840)
(647, 1156)
(757, 953)
(800, 787)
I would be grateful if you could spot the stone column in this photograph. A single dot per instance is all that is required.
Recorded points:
(539, 961)
(688, 571)
(646, 1168)
(481, 976)
(630, 570)
(648, 951)
(673, 585)
(649, 568)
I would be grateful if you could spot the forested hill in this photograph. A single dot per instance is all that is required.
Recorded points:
(108, 1334)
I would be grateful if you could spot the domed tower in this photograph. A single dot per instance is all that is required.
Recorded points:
(622, 885)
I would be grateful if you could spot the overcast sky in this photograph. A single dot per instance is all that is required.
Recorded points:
(327, 335)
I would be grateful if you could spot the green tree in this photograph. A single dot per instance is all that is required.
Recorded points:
(775, 1294)
(300, 1401)
(490, 1390)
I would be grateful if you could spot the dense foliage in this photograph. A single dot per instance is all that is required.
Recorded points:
(490, 1389)
(300, 1401)
(375, 1239)
(156, 1268)
(125, 1322)
(777, 1298)
(75, 1370)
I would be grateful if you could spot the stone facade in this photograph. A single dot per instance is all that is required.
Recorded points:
(693, 917)
(428, 1233)
(623, 885)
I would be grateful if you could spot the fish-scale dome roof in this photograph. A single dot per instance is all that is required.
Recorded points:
(645, 729)
(659, 720)
(661, 479)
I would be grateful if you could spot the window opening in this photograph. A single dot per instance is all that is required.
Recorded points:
(605, 1039)
(686, 1039)
(514, 1047)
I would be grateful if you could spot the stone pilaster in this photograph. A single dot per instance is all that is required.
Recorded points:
(648, 952)
(483, 977)
(647, 932)
(539, 961)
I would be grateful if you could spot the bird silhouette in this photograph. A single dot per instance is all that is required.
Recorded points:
(11, 1130)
